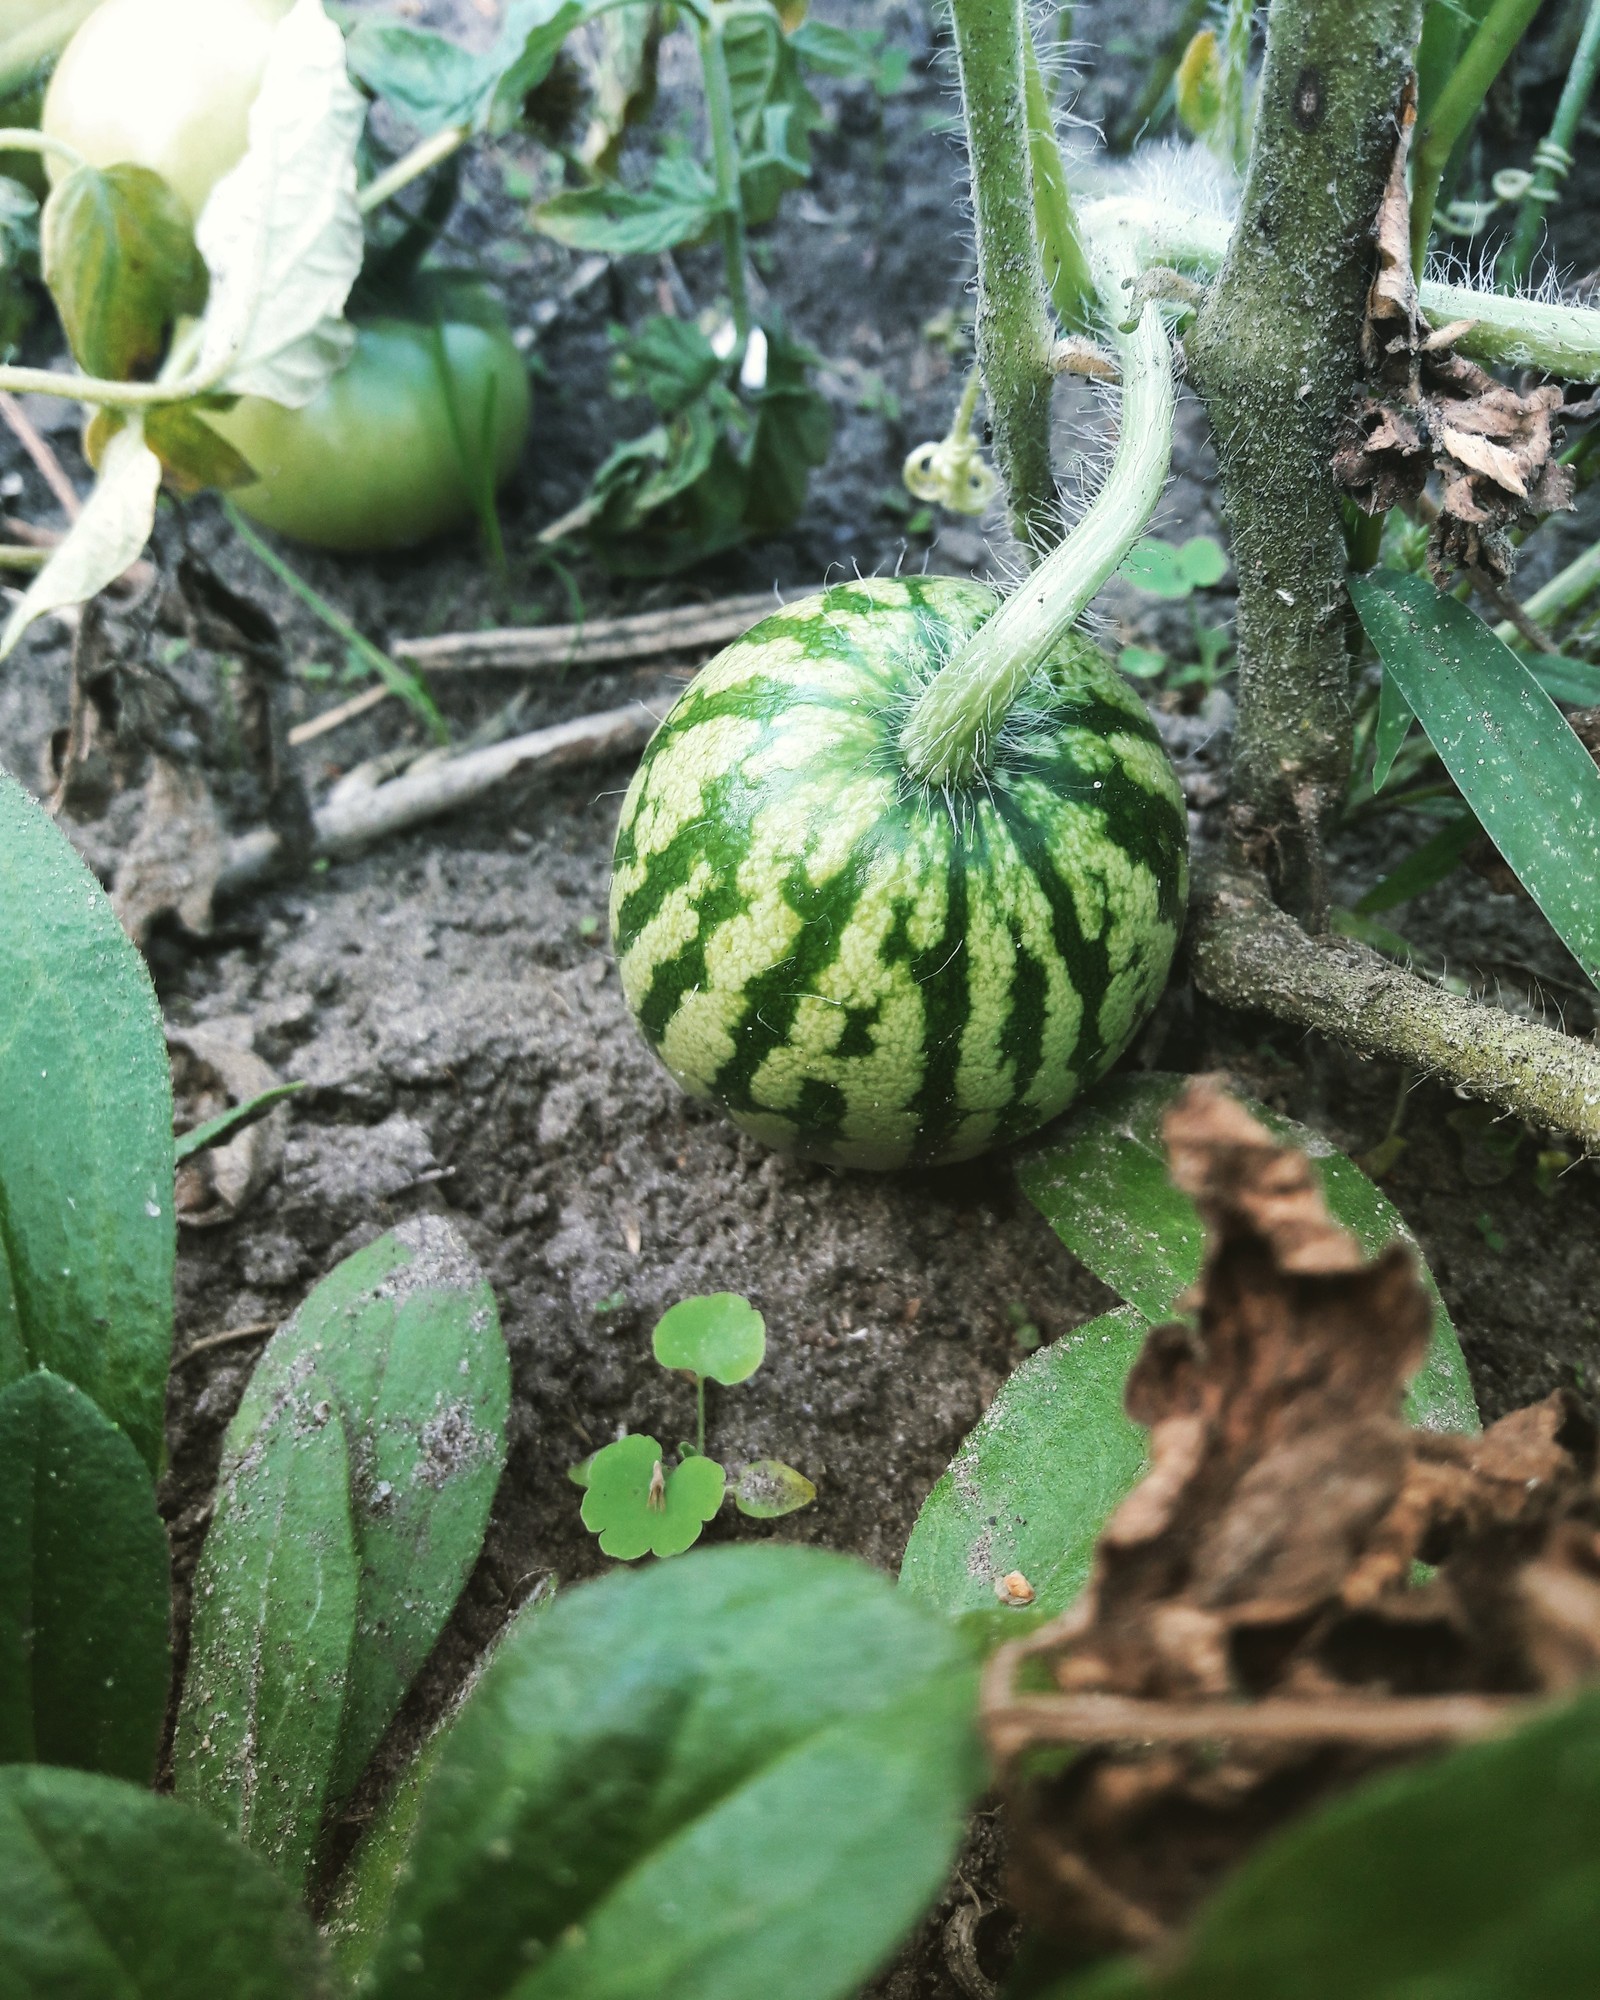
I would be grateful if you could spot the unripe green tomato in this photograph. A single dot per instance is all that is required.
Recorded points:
(165, 84)
(374, 462)
(871, 971)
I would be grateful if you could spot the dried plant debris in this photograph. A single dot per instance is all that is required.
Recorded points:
(1425, 410)
(215, 1068)
(1303, 1589)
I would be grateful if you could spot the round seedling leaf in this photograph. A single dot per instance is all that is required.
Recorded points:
(721, 1337)
(767, 1489)
(1202, 562)
(638, 1507)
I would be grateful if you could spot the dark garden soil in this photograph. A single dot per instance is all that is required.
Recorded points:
(453, 1009)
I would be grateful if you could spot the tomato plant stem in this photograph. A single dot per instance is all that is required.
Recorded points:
(1275, 354)
(1552, 161)
(1459, 103)
(1014, 335)
(725, 160)
(411, 166)
(954, 720)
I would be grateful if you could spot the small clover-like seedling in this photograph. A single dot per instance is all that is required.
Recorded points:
(634, 1500)
(639, 1506)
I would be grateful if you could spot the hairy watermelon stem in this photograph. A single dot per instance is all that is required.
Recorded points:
(957, 716)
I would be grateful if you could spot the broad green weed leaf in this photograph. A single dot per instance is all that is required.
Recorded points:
(1171, 569)
(1520, 766)
(1101, 1183)
(678, 205)
(106, 537)
(84, 1587)
(743, 1773)
(275, 1601)
(118, 254)
(1475, 1876)
(767, 1489)
(638, 1507)
(434, 82)
(114, 1894)
(281, 233)
(1034, 1483)
(720, 1336)
(86, 1222)
(398, 1354)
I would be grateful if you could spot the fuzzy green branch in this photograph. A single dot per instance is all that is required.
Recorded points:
(1248, 954)
(955, 717)
(1014, 335)
(1066, 263)
(1275, 354)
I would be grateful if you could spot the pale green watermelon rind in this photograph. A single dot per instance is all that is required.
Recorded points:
(860, 970)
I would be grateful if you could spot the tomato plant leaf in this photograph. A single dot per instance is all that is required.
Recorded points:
(1102, 1185)
(1034, 1483)
(720, 1336)
(398, 1351)
(281, 233)
(1462, 1875)
(678, 205)
(115, 1894)
(86, 1213)
(84, 1584)
(1517, 761)
(193, 457)
(743, 1773)
(119, 257)
(638, 1506)
(434, 82)
(106, 537)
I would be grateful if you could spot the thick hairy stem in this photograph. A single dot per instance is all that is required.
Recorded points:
(1275, 354)
(1013, 325)
(1248, 954)
(954, 719)
(1066, 263)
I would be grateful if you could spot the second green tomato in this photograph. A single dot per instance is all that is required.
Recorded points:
(421, 424)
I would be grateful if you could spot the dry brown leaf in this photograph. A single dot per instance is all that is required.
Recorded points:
(1425, 410)
(1256, 1631)
(213, 1069)
(174, 861)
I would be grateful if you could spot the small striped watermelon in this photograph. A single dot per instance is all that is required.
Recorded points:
(864, 970)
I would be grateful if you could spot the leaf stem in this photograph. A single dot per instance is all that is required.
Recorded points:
(1013, 323)
(1552, 159)
(725, 159)
(430, 152)
(1459, 103)
(23, 139)
(955, 718)
(700, 1415)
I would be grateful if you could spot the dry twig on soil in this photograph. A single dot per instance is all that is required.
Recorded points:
(1254, 1634)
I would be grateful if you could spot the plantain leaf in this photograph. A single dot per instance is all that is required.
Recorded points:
(1516, 759)
(114, 1894)
(742, 1773)
(1102, 1185)
(118, 255)
(1474, 1875)
(275, 1597)
(84, 1584)
(376, 1418)
(86, 1221)
(1033, 1484)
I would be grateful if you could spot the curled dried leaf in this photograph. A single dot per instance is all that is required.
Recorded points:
(1257, 1632)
